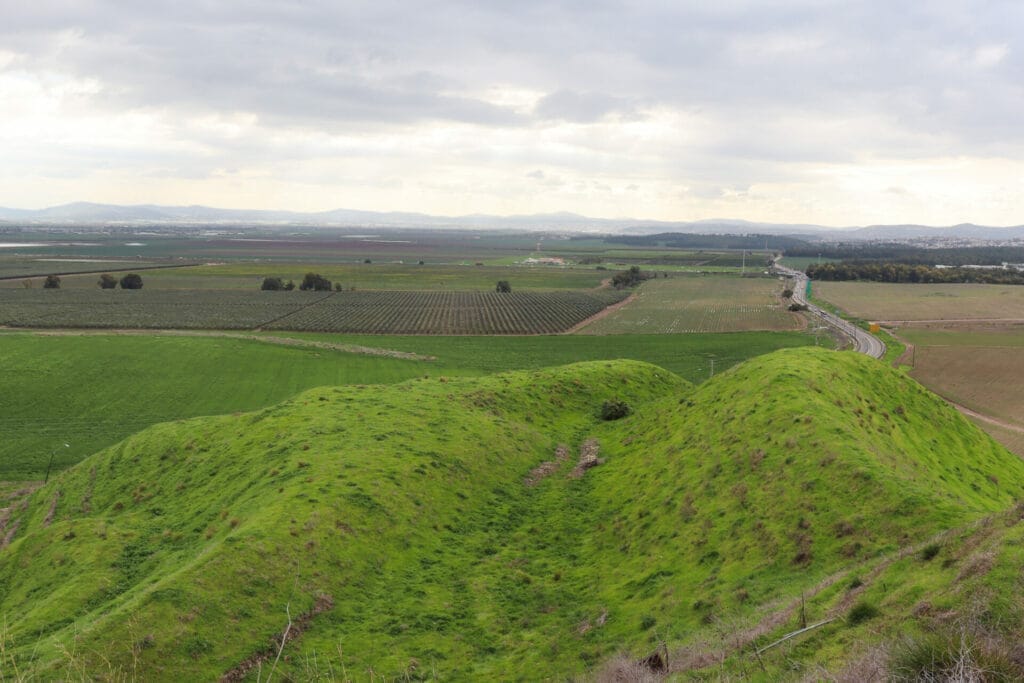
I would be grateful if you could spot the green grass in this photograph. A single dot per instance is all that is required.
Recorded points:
(690, 304)
(687, 355)
(399, 520)
(92, 390)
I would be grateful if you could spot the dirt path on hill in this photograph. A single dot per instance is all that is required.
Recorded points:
(282, 341)
(1010, 426)
(600, 314)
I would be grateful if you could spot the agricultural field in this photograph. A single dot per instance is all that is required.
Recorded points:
(917, 302)
(90, 389)
(691, 304)
(146, 308)
(982, 371)
(36, 269)
(692, 356)
(449, 312)
(407, 276)
(372, 312)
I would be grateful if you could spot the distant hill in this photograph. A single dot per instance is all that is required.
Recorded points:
(90, 213)
(498, 528)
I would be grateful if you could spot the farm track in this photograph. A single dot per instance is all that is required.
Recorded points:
(133, 269)
(281, 341)
(601, 314)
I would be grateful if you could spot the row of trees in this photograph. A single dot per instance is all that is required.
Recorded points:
(106, 281)
(901, 272)
(312, 282)
(892, 252)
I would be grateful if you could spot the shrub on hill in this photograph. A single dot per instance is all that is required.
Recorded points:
(107, 281)
(51, 282)
(615, 410)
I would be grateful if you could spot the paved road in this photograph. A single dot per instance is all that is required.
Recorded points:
(864, 342)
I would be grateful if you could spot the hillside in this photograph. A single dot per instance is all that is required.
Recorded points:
(497, 528)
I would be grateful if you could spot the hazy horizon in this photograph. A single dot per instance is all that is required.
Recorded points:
(833, 114)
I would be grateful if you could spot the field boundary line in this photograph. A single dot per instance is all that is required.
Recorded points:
(107, 270)
(259, 328)
(607, 310)
(213, 334)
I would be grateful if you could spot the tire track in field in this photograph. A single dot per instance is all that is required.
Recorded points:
(267, 339)
(607, 310)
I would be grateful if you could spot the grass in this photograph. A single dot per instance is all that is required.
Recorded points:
(690, 356)
(396, 524)
(884, 301)
(700, 304)
(90, 390)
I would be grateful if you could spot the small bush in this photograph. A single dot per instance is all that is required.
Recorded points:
(615, 410)
(647, 622)
(861, 612)
(930, 551)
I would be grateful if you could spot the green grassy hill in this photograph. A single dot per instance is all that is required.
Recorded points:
(497, 528)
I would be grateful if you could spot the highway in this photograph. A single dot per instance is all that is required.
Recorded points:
(863, 341)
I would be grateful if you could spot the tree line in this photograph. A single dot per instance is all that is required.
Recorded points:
(312, 282)
(903, 253)
(874, 271)
(106, 281)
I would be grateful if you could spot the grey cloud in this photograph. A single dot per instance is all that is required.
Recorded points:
(943, 77)
(568, 105)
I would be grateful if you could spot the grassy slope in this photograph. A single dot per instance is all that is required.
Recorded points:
(407, 506)
(91, 391)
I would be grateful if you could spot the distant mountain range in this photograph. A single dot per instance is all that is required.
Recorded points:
(148, 214)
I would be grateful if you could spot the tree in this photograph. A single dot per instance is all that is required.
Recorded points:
(787, 293)
(315, 282)
(503, 287)
(337, 286)
(289, 286)
(272, 284)
(51, 282)
(107, 281)
(628, 278)
(131, 281)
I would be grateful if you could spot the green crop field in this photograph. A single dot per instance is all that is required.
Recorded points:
(885, 301)
(90, 390)
(691, 356)
(497, 528)
(449, 312)
(408, 276)
(700, 304)
(369, 312)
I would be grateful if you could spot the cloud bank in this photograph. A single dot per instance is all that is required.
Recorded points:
(790, 110)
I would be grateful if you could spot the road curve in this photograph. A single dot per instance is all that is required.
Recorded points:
(864, 342)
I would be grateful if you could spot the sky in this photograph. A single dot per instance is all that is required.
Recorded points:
(792, 111)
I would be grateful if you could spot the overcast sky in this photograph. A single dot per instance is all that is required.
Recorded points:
(818, 111)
